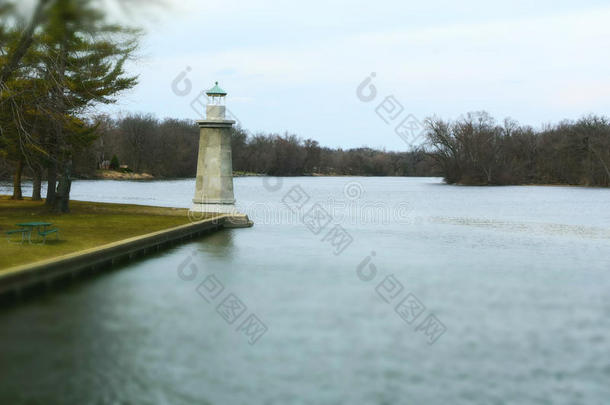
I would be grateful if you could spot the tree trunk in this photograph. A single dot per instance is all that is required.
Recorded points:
(56, 139)
(51, 182)
(17, 195)
(62, 199)
(37, 184)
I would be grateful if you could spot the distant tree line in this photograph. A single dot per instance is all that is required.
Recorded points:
(168, 149)
(476, 150)
(473, 150)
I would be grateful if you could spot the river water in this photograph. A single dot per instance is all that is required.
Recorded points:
(346, 291)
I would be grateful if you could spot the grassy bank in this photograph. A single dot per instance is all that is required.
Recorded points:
(88, 225)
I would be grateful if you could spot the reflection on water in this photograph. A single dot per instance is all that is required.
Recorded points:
(219, 245)
(518, 275)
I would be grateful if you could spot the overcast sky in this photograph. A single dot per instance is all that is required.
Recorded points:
(296, 66)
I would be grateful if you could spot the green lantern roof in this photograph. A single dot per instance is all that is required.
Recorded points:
(216, 91)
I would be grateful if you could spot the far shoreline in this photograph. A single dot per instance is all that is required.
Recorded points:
(101, 175)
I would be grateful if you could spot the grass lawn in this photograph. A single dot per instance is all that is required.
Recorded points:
(88, 225)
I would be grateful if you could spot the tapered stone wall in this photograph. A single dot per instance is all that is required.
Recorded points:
(214, 182)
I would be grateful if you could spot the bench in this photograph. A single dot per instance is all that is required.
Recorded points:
(44, 234)
(23, 232)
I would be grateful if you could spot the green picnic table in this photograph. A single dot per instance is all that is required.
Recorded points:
(41, 230)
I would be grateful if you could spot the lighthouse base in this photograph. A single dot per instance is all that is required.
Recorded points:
(234, 219)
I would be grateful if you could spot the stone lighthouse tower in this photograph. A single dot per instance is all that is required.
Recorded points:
(214, 182)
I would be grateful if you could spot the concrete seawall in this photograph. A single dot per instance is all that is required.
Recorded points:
(16, 279)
